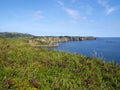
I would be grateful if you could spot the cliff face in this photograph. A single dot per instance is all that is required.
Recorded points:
(74, 38)
(53, 41)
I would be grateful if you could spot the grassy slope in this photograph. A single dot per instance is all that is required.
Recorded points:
(23, 67)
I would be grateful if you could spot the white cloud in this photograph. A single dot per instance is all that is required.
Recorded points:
(74, 14)
(103, 3)
(109, 9)
(38, 14)
(60, 3)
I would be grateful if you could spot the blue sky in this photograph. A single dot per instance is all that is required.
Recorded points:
(99, 18)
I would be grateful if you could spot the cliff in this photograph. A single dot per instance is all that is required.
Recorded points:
(54, 40)
(76, 38)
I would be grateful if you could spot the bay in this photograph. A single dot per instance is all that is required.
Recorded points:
(107, 49)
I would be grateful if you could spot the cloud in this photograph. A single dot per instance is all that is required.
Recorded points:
(105, 3)
(74, 14)
(38, 14)
(60, 3)
(110, 10)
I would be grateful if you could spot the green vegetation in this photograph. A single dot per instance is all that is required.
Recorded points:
(14, 34)
(24, 67)
(45, 41)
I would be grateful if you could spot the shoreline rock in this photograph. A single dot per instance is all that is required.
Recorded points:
(51, 41)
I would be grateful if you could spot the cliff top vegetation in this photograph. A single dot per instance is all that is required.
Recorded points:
(24, 67)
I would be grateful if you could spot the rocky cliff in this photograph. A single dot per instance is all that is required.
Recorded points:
(76, 38)
(54, 40)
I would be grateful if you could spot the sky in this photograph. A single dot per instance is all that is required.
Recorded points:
(100, 18)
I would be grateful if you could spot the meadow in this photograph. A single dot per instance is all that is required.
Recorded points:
(25, 67)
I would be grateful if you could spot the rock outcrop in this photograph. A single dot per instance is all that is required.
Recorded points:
(54, 40)
(76, 38)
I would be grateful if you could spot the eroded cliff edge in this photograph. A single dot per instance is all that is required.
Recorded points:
(54, 40)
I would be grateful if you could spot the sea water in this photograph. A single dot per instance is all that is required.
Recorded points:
(105, 48)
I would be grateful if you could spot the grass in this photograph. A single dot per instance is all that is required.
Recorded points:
(23, 67)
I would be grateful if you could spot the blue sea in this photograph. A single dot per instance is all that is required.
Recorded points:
(107, 49)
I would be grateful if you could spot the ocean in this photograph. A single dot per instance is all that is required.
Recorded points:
(107, 49)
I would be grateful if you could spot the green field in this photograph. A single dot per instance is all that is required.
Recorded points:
(24, 67)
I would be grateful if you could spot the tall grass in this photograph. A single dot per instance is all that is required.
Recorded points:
(23, 67)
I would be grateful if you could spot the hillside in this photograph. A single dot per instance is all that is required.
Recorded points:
(24, 67)
(14, 34)
(46, 41)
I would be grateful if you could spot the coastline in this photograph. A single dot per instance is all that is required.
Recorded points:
(53, 41)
